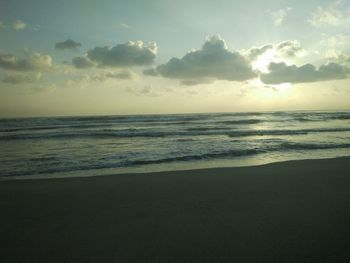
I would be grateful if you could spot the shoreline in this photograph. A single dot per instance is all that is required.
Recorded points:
(296, 211)
(80, 174)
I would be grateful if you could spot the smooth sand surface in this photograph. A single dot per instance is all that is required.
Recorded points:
(295, 211)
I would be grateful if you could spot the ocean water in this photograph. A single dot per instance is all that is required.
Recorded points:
(98, 145)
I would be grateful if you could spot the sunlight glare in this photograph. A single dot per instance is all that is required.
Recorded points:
(263, 61)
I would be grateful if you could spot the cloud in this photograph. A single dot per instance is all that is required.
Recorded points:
(19, 25)
(343, 58)
(147, 90)
(290, 48)
(338, 56)
(150, 72)
(31, 62)
(124, 26)
(283, 73)
(255, 52)
(36, 27)
(125, 74)
(212, 62)
(21, 78)
(120, 75)
(339, 40)
(278, 16)
(87, 79)
(82, 62)
(261, 57)
(68, 44)
(132, 53)
(330, 16)
(79, 81)
(337, 47)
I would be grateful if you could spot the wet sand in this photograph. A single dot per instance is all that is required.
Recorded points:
(297, 211)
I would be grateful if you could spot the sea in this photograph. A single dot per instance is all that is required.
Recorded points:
(51, 147)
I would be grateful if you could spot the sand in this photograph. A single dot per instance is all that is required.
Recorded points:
(297, 211)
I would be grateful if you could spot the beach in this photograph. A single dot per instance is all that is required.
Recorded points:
(294, 211)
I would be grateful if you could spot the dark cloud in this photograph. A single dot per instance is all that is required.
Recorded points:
(283, 73)
(82, 62)
(21, 78)
(32, 62)
(213, 62)
(124, 55)
(287, 49)
(290, 48)
(68, 44)
(255, 52)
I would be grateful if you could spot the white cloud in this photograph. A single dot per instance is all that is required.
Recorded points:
(147, 90)
(36, 27)
(125, 74)
(285, 49)
(83, 80)
(124, 26)
(337, 41)
(19, 25)
(278, 16)
(338, 56)
(333, 15)
(261, 57)
(337, 47)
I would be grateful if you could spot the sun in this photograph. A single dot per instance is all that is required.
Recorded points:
(263, 61)
(261, 64)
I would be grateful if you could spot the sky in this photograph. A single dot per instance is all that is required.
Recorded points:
(111, 57)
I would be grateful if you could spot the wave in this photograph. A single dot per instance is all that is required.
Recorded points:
(341, 117)
(208, 128)
(87, 122)
(196, 157)
(50, 164)
(59, 168)
(251, 121)
(130, 133)
(42, 128)
(285, 132)
(324, 118)
(313, 146)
